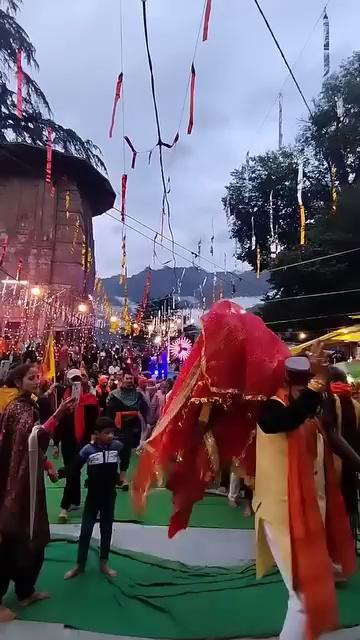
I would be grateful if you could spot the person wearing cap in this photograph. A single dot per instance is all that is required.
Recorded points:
(300, 517)
(74, 432)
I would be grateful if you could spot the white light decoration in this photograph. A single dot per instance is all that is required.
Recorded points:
(157, 340)
(83, 308)
(180, 349)
(36, 291)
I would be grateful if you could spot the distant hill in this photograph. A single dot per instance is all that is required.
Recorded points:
(164, 282)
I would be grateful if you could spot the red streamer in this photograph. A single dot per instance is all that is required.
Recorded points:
(134, 152)
(49, 155)
(192, 99)
(19, 269)
(123, 196)
(144, 303)
(116, 100)
(206, 20)
(20, 81)
(4, 249)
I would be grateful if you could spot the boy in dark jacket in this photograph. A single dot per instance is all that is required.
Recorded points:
(102, 458)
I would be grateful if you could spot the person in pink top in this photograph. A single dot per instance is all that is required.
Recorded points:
(24, 524)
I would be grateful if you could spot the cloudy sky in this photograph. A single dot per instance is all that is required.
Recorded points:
(239, 74)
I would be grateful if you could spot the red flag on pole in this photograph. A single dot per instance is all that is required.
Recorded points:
(123, 196)
(206, 20)
(49, 153)
(20, 81)
(192, 99)
(116, 100)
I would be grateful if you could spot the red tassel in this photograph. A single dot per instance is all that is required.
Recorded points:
(116, 100)
(192, 101)
(49, 154)
(19, 269)
(206, 20)
(134, 152)
(4, 249)
(20, 80)
(123, 196)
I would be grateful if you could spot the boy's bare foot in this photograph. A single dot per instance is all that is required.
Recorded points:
(6, 615)
(63, 516)
(104, 568)
(73, 573)
(37, 596)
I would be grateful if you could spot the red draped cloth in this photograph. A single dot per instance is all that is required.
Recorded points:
(235, 363)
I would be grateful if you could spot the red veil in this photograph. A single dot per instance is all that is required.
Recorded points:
(210, 419)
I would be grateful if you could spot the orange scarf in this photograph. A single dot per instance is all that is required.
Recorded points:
(312, 551)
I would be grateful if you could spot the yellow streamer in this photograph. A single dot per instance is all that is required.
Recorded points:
(302, 225)
(334, 195)
(76, 234)
(258, 261)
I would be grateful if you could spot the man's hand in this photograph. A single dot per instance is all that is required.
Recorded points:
(67, 406)
(319, 362)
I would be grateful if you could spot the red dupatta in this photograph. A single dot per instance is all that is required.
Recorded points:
(86, 399)
(312, 550)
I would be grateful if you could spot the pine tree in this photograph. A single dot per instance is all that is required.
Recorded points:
(37, 115)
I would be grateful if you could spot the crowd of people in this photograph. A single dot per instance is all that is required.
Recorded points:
(94, 415)
(288, 427)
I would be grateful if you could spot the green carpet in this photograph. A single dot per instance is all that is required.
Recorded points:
(155, 598)
(213, 511)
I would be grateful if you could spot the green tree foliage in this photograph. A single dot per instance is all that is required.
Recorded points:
(329, 139)
(37, 116)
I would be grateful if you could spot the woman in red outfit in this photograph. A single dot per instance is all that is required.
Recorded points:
(24, 525)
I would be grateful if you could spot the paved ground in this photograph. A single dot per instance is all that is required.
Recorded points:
(205, 547)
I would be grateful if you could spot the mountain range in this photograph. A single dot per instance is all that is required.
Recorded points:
(195, 284)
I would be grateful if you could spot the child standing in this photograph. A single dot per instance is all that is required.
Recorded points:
(102, 458)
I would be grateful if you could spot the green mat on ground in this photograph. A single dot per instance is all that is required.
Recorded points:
(213, 511)
(155, 598)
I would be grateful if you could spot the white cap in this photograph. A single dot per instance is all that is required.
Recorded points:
(73, 373)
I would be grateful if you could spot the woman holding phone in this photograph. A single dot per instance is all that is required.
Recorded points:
(74, 432)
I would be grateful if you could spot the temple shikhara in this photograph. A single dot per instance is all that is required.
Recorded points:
(46, 238)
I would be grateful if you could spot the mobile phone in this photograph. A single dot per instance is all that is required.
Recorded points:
(76, 391)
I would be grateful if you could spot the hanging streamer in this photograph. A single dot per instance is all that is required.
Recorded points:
(212, 239)
(225, 263)
(83, 254)
(144, 303)
(167, 145)
(273, 243)
(253, 237)
(214, 286)
(280, 120)
(192, 99)
(76, 234)
(19, 269)
(199, 250)
(206, 20)
(3, 251)
(49, 155)
(334, 196)
(134, 152)
(20, 82)
(123, 196)
(123, 261)
(89, 259)
(300, 186)
(326, 45)
(67, 204)
(116, 100)
(258, 261)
